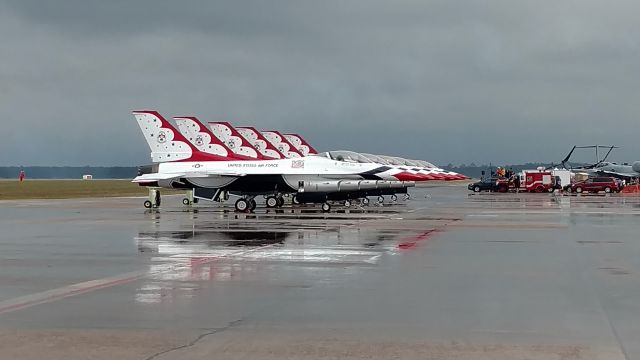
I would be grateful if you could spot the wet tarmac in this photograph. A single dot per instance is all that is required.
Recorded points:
(447, 274)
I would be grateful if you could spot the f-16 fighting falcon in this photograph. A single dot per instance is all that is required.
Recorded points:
(180, 164)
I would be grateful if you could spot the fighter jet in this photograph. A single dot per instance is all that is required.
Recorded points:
(223, 134)
(401, 169)
(180, 164)
(601, 166)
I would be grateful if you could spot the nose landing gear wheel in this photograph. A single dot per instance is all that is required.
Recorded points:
(242, 205)
(326, 207)
(272, 202)
(186, 201)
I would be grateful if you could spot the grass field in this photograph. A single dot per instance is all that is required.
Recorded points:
(67, 189)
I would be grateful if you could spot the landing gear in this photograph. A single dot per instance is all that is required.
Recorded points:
(380, 199)
(394, 197)
(252, 204)
(365, 201)
(407, 196)
(347, 203)
(186, 202)
(326, 207)
(295, 200)
(154, 199)
(272, 201)
(242, 205)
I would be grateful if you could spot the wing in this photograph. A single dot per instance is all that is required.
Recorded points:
(192, 174)
(617, 173)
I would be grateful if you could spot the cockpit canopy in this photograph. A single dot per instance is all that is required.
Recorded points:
(344, 155)
(354, 157)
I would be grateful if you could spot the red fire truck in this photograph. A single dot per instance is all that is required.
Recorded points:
(535, 181)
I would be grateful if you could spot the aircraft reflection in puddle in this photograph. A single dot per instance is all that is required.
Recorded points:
(183, 262)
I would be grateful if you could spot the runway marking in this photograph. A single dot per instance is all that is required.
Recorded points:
(52, 295)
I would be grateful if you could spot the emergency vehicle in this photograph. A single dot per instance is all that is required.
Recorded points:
(536, 181)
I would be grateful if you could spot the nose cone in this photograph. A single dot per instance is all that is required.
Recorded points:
(407, 176)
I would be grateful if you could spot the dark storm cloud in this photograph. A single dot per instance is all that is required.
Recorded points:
(439, 80)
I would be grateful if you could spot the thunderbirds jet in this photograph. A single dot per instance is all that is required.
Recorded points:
(402, 169)
(222, 134)
(181, 164)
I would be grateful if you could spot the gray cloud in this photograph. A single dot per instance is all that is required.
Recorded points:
(442, 81)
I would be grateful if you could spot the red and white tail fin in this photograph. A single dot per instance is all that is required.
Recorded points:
(260, 143)
(279, 141)
(300, 144)
(200, 136)
(165, 142)
(234, 140)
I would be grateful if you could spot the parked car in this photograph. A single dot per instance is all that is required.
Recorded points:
(596, 184)
(489, 184)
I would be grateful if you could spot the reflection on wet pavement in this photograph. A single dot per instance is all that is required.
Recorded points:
(534, 271)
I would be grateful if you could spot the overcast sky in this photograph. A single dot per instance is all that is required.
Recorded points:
(444, 81)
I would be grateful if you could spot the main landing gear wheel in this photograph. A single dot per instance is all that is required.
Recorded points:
(326, 207)
(242, 205)
(147, 204)
(295, 200)
(280, 201)
(394, 197)
(347, 203)
(476, 189)
(578, 190)
(365, 201)
(272, 201)
(252, 205)
(380, 199)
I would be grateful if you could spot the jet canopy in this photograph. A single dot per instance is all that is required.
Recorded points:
(344, 155)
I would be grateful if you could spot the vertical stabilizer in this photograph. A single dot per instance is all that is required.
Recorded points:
(165, 142)
(201, 137)
(234, 140)
(279, 141)
(260, 143)
(301, 144)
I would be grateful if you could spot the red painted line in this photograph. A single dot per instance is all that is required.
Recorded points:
(413, 241)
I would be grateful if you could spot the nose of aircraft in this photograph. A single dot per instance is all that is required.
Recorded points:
(407, 176)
